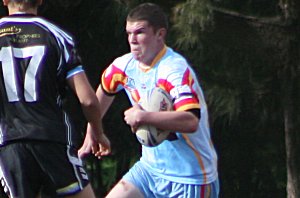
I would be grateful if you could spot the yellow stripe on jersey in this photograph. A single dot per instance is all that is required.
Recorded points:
(159, 56)
(118, 79)
(71, 188)
(188, 107)
(198, 156)
(111, 80)
(208, 191)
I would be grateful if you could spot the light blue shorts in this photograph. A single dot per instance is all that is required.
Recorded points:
(153, 186)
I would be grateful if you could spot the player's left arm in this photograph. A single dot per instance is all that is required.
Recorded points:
(181, 121)
(185, 119)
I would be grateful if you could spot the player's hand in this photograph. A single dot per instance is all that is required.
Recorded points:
(86, 148)
(132, 116)
(103, 147)
(96, 143)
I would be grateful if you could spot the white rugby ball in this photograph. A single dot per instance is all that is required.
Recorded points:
(157, 100)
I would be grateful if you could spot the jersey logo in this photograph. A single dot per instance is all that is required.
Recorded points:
(10, 31)
(130, 86)
(180, 91)
(163, 105)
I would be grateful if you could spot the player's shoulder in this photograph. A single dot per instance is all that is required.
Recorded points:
(3, 19)
(56, 30)
(123, 61)
(172, 61)
(174, 58)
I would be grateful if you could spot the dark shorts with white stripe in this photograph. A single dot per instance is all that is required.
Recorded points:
(30, 168)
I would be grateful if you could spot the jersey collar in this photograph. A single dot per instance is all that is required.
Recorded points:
(21, 14)
(159, 56)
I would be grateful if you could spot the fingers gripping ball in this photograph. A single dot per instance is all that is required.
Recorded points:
(157, 100)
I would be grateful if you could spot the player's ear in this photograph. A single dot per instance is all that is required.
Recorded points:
(162, 33)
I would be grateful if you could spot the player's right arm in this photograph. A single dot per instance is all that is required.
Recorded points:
(95, 139)
(104, 102)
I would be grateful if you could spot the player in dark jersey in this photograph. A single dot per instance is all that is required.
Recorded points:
(38, 149)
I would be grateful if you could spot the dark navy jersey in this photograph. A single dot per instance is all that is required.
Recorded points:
(36, 58)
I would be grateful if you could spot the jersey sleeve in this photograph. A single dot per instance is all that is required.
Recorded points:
(180, 83)
(114, 77)
(70, 62)
(71, 59)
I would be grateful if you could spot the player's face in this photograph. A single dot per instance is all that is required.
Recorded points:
(144, 42)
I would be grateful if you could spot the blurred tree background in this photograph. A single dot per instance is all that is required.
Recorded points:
(246, 55)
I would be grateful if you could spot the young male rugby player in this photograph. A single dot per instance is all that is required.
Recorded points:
(184, 165)
(38, 153)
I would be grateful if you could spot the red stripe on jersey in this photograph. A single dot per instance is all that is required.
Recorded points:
(135, 95)
(164, 84)
(202, 191)
(185, 103)
(187, 78)
(111, 80)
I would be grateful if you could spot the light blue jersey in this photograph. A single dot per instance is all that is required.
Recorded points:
(191, 158)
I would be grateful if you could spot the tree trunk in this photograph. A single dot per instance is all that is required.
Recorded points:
(292, 144)
(291, 121)
(291, 94)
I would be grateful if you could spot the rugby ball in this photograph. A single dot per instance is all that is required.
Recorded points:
(156, 100)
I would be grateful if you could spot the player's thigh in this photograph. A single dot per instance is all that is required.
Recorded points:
(65, 173)
(19, 171)
(124, 189)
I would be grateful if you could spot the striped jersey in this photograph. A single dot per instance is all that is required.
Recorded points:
(36, 58)
(189, 158)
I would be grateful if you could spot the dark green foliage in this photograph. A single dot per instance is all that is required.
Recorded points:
(3, 10)
(250, 7)
(240, 61)
(244, 109)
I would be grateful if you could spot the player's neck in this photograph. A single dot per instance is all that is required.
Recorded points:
(144, 67)
(150, 62)
(16, 10)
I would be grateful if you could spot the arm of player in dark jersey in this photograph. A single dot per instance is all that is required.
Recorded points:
(95, 140)
(105, 101)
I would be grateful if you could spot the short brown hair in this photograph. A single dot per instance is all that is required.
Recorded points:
(151, 13)
(30, 3)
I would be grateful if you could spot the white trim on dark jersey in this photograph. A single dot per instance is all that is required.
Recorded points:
(4, 183)
(46, 25)
(35, 120)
